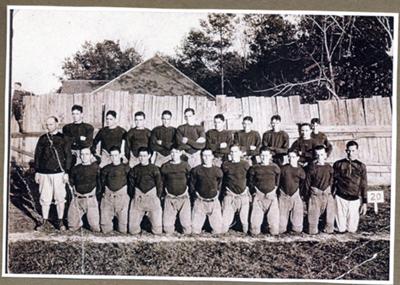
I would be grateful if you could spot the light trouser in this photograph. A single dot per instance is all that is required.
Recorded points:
(194, 159)
(133, 160)
(114, 204)
(174, 205)
(290, 207)
(321, 201)
(84, 204)
(264, 204)
(204, 208)
(159, 159)
(52, 186)
(145, 204)
(105, 158)
(233, 203)
(347, 215)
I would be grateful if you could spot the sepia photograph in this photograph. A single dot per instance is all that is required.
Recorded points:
(200, 145)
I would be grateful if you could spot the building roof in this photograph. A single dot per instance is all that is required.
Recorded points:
(157, 77)
(81, 86)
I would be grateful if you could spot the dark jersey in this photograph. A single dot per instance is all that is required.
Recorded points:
(193, 133)
(278, 142)
(291, 179)
(135, 139)
(79, 135)
(206, 181)
(109, 138)
(85, 178)
(114, 177)
(145, 177)
(166, 136)
(214, 139)
(305, 149)
(264, 177)
(175, 177)
(318, 176)
(245, 140)
(235, 174)
(322, 139)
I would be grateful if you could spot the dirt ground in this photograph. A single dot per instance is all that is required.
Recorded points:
(362, 256)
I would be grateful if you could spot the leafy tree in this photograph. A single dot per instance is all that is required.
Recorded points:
(101, 61)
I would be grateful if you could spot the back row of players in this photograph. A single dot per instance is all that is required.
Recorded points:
(196, 168)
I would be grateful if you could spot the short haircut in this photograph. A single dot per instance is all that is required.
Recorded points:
(189, 110)
(248, 118)
(18, 83)
(276, 118)
(304, 125)
(166, 112)
(54, 118)
(234, 145)
(219, 116)
(112, 113)
(114, 147)
(206, 149)
(265, 148)
(84, 149)
(140, 113)
(144, 149)
(319, 147)
(351, 143)
(315, 121)
(294, 150)
(176, 146)
(77, 108)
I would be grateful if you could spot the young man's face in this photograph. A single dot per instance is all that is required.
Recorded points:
(265, 157)
(315, 126)
(166, 120)
(293, 158)
(275, 124)
(219, 124)
(305, 132)
(189, 117)
(176, 155)
(139, 121)
(77, 116)
(236, 153)
(207, 157)
(115, 157)
(144, 157)
(51, 125)
(247, 125)
(320, 155)
(86, 155)
(352, 152)
(111, 121)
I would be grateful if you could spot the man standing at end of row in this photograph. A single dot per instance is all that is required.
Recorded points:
(219, 140)
(191, 138)
(79, 134)
(162, 139)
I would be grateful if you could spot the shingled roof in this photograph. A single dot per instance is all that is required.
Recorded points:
(157, 77)
(81, 86)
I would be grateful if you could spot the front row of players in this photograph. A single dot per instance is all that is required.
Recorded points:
(128, 194)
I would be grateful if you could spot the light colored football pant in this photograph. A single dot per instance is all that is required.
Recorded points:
(52, 186)
(204, 208)
(233, 203)
(193, 159)
(145, 204)
(84, 204)
(262, 204)
(321, 202)
(290, 207)
(174, 205)
(348, 215)
(160, 159)
(114, 204)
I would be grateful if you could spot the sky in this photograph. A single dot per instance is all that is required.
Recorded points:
(42, 39)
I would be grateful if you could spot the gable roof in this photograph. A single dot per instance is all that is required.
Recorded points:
(157, 77)
(81, 86)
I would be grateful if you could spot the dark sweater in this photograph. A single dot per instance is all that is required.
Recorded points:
(214, 139)
(322, 139)
(278, 142)
(85, 178)
(75, 132)
(175, 177)
(305, 148)
(264, 177)
(145, 177)
(166, 136)
(319, 176)
(245, 140)
(108, 138)
(192, 133)
(114, 176)
(45, 156)
(350, 179)
(206, 181)
(291, 179)
(135, 139)
(235, 175)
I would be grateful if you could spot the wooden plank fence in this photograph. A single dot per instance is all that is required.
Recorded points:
(366, 120)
